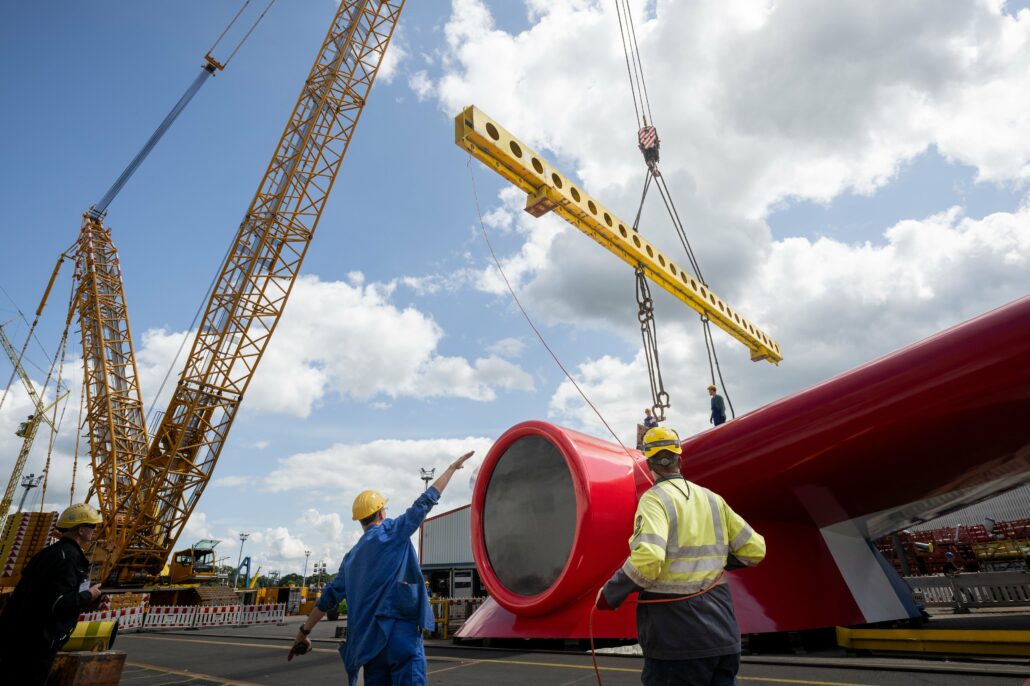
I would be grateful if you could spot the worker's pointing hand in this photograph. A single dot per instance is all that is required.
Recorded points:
(94, 591)
(299, 648)
(460, 462)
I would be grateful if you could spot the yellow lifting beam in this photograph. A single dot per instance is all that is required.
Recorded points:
(548, 189)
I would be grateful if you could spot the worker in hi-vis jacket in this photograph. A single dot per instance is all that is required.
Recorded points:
(387, 602)
(684, 536)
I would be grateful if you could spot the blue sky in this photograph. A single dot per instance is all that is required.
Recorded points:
(851, 195)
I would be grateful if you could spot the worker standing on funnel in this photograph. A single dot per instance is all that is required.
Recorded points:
(387, 603)
(718, 406)
(684, 536)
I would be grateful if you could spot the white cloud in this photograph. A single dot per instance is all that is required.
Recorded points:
(345, 338)
(60, 453)
(345, 469)
(232, 481)
(197, 528)
(420, 83)
(396, 53)
(759, 105)
(508, 347)
(834, 307)
(334, 476)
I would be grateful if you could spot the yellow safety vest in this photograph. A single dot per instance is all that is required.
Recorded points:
(682, 536)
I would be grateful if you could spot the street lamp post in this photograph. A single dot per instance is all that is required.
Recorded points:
(427, 475)
(239, 561)
(304, 582)
(219, 563)
(28, 483)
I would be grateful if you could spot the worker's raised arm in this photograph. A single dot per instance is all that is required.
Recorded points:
(445, 478)
(409, 522)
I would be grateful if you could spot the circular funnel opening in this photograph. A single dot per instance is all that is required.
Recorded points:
(529, 516)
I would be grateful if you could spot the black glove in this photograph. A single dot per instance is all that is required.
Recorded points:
(602, 603)
(732, 562)
(299, 648)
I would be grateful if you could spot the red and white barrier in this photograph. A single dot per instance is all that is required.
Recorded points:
(262, 614)
(143, 617)
(217, 615)
(128, 617)
(170, 617)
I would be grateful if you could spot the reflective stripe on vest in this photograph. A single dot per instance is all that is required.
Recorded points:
(691, 567)
(743, 537)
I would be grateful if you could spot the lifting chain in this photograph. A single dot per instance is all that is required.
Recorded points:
(645, 314)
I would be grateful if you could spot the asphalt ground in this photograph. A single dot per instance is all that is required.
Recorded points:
(257, 655)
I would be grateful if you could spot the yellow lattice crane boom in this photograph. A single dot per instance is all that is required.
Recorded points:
(31, 426)
(113, 405)
(548, 190)
(147, 492)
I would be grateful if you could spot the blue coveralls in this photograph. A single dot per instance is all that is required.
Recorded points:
(387, 601)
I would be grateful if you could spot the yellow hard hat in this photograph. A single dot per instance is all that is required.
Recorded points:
(711, 387)
(661, 438)
(77, 515)
(367, 504)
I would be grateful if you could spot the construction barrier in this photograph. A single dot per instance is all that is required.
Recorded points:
(983, 589)
(143, 617)
(170, 617)
(449, 614)
(263, 614)
(128, 618)
(217, 615)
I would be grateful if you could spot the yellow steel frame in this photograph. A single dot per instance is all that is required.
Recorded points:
(147, 494)
(114, 409)
(39, 417)
(549, 190)
(996, 642)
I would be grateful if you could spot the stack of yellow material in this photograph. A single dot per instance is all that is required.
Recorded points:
(24, 535)
(1002, 550)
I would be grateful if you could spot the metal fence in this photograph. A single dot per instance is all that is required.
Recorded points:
(153, 617)
(980, 590)
(451, 613)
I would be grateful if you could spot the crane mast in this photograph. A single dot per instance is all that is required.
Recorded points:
(114, 409)
(148, 493)
(39, 416)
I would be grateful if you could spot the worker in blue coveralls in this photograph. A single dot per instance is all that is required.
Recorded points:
(387, 603)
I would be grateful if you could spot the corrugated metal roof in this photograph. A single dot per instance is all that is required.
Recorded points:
(447, 539)
(1005, 507)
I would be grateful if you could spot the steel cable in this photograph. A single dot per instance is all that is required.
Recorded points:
(540, 337)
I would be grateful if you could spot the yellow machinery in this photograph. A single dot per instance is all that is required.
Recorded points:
(549, 190)
(194, 564)
(148, 485)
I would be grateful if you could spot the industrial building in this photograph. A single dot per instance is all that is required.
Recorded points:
(445, 555)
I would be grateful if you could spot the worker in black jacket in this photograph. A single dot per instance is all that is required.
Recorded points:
(45, 605)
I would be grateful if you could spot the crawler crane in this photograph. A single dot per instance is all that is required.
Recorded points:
(148, 483)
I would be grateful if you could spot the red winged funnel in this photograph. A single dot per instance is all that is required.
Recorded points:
(934, 426)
